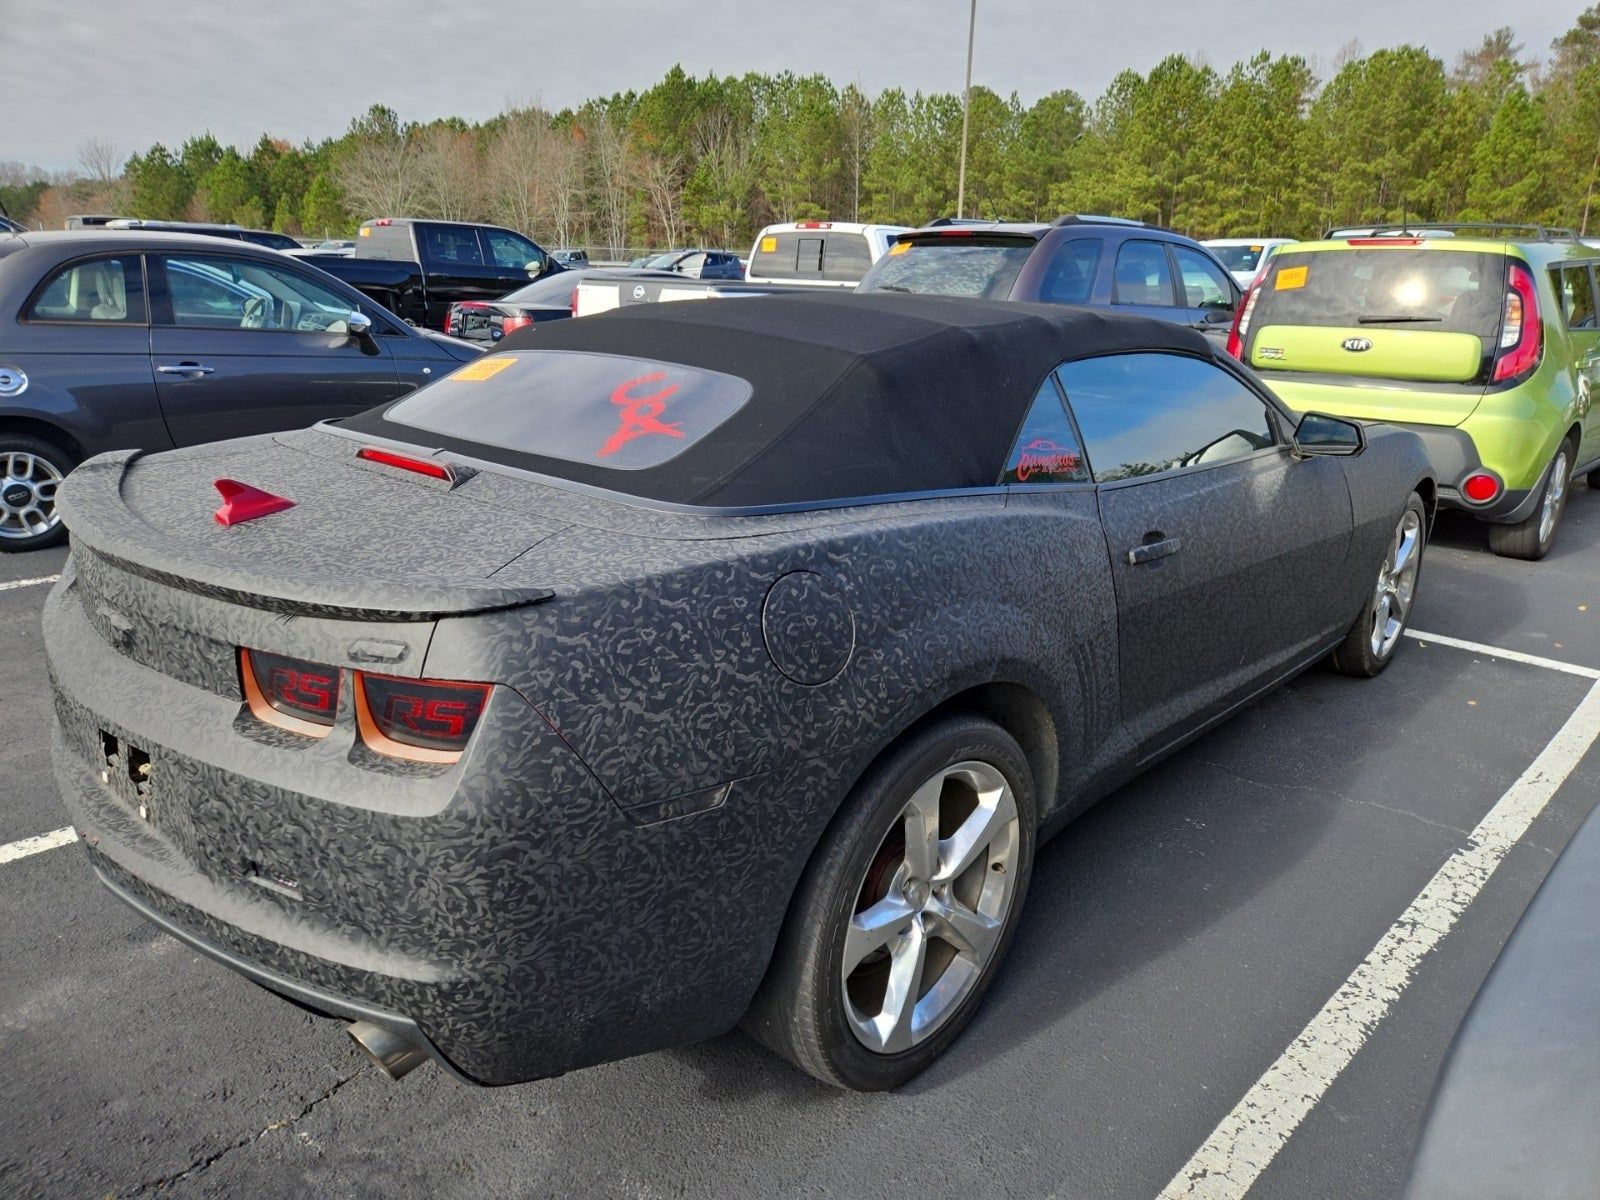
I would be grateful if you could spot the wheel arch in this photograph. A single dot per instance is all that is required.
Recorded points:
(44, 430)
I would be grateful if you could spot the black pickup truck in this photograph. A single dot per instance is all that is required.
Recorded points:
(417, 269)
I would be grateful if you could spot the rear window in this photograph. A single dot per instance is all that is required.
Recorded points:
(815, 254)
(951, 267)
(555, 290)
(1238, 258)
(1447, 291)
(601, 410)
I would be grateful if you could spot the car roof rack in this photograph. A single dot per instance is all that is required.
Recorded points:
(940, 221)
(1530, 229)
(1100, 219)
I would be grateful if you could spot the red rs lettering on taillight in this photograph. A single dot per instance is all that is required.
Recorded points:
(425, 720)
(290, 693)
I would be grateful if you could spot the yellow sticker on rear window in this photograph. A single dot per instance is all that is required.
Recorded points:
(1290, 278)
(365, 232)
(899, 247)
(769, 245)
(485, 368)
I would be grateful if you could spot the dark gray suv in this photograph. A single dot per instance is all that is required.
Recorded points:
(1091, 261)
(116, 340)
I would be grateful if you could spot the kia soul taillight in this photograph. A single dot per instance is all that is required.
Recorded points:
(1521, 331)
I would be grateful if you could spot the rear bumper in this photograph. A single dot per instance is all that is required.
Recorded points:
(503, 911)
(1454, 455)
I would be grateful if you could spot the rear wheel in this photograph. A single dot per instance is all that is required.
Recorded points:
(31, 470)
(906, 910)
(1532, 539)
(1375, 636)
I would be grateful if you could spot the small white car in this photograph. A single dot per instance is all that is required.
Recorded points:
(1243, 256)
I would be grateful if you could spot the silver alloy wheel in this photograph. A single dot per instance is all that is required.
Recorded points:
(1555, 495)
(931, 908)
(28, 486)
(1397, 584)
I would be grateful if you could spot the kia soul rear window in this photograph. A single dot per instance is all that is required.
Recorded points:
(1444, 291)
(601, 410)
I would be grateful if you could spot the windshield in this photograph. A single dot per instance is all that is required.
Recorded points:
(1238, 258)
(1445, 291)
(954, 267)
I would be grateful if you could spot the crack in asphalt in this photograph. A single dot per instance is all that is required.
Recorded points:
(1340, 796)
(201, 1165)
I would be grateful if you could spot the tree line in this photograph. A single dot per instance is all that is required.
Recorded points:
(1266, 147)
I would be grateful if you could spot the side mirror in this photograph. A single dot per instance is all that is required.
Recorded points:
(535, 268)
(1218, 316)
(1319, 433)
(358, 325)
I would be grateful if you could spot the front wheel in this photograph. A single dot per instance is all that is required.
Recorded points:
(1375, 636)
(1532, 539)
(906, 910)
(31, 470)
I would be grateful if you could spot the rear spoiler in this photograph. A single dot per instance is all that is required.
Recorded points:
(91, 504)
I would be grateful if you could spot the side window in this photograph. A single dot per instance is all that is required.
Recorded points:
(1204, 284)
(1142, 274)
(1047, 448)
(216, 292)
(1575, 286)
(99, 291)
(1141, 414)
(693, 262)
(508, 250)
(450, 245)
(1069, 279)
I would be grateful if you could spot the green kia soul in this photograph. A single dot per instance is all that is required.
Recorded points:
(1483, 344)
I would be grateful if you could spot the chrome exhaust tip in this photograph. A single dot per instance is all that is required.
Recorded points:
(395, 1056)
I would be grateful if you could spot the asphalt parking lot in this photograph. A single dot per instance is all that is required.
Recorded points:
(1178, 939)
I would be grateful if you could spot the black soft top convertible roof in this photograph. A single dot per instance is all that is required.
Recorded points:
(849, 395)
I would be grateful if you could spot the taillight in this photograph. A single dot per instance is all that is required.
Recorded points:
(1241, 323)
(290, 692)
(574, 302)
(1521, 331)
(512, 324)
(426, 720)
(452, 320)
(1480, 487)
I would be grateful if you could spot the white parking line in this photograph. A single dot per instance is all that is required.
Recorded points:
(37, 845)
(19, 583)
(1532, 660)
(1249, 1137)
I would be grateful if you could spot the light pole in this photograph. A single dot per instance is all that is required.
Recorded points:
(966, 116)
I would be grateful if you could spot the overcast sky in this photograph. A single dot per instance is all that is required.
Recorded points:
(143, 71)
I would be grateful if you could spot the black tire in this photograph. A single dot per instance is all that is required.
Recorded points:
(1357, 655)
(1530, 539)
(60, 461)
(799, 1011)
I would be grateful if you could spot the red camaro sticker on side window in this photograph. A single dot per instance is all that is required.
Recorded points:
(639, 413)
(1043, 457)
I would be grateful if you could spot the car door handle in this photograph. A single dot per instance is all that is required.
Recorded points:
(1150, 551)
(189, 370)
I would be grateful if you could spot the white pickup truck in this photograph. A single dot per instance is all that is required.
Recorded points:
(800, 254)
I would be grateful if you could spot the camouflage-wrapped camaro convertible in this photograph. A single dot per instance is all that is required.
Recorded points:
(694, 664)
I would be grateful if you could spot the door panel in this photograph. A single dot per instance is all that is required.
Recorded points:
(1228, 556)
(236, 351)
(1242, 568)
(1580, 290)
